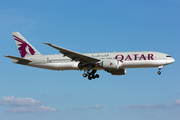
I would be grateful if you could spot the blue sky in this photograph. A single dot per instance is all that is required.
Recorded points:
(87, 27)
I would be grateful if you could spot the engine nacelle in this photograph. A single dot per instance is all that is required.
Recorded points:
(110, 65)
(113, 67)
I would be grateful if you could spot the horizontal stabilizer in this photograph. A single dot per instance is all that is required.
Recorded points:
(17, 58)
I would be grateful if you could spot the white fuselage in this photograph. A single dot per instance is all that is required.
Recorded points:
(125, 60)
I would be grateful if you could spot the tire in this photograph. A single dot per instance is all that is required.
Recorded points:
(97, 76)
(159, 73)
(90, 78)
(84, 75)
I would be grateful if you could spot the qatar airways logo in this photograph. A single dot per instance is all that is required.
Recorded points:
(23, 47)
(122, 58)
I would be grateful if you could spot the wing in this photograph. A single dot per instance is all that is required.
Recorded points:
(74, 55)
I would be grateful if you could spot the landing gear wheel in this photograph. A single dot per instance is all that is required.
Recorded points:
(97, 76)
(90, 78)
(93, 77)
(84, 75)
(159, 72)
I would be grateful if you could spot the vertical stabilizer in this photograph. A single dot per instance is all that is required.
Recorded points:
(24, 47)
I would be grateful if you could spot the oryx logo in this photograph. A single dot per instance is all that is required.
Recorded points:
(24, 48)
(111, 63)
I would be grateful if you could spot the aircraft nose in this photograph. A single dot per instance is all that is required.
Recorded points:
(171, 60)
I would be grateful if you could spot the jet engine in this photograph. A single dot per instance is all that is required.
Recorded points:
(113, 67)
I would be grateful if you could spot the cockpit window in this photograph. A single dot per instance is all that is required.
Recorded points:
(168, 56)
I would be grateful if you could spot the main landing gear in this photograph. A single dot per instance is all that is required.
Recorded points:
(159, 72)
(91, 75)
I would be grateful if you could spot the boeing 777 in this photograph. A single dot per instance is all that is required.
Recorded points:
(112, 62)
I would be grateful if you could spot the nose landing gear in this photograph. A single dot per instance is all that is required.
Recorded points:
(159, 72)
(91, 75)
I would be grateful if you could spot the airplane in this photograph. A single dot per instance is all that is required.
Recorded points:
(112, 62)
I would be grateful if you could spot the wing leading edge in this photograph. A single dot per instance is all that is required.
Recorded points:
(74, 55)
